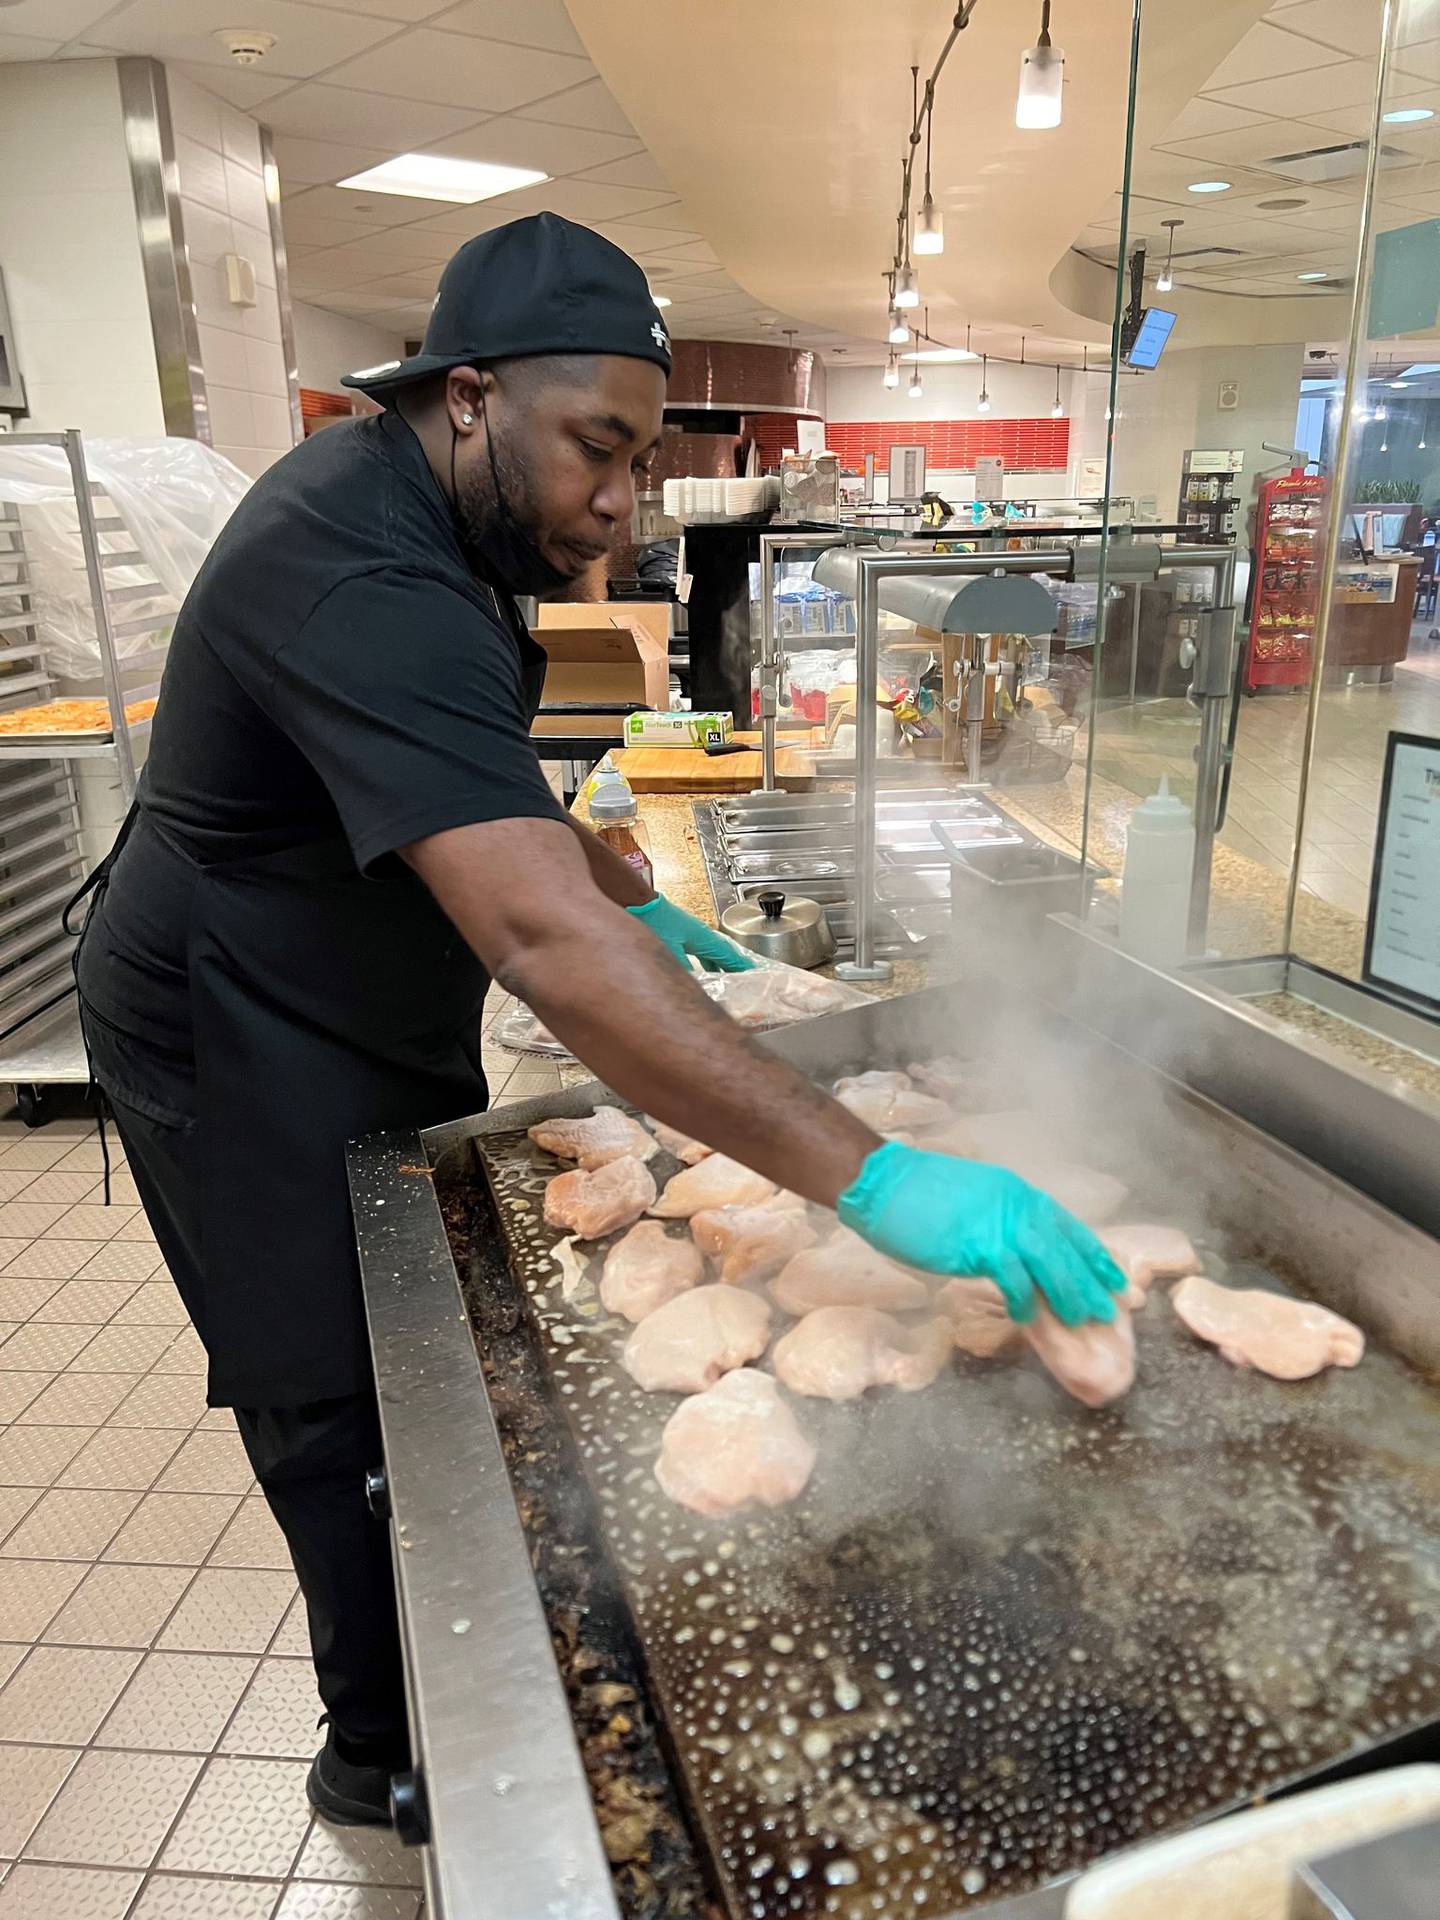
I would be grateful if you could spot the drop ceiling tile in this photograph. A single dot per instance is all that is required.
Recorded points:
(650, 240)
(243, 87)
(539, 23)
(462, 222)
(1253, 145)
(691, 250)
(307, 39)
(1424, 61)
(488, 76)
(309, 232)
(357, 206)
(513, 142)
(667, 214)
(20, 46)
(1355, 29)
(316, 163)
(1421, 136)
(347, 114)
(56, 19)
(584, 200)
(1301, 95)
(640, 170)
(415, 284)
(1200, 117)
(400, 12)
(591, 105)
(1267, 50)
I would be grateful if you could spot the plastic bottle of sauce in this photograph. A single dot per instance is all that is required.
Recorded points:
(615, 817)
(1155, 890)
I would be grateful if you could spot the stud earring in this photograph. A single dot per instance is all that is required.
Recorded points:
(467, 419)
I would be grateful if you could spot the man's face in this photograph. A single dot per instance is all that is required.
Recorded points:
(552, 473)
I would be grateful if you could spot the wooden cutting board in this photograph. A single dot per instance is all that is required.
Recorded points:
(692, 770)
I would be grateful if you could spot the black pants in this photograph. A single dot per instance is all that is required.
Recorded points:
(311, 1463)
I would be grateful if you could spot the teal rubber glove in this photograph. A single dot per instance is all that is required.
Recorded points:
(947, 1215)
(689, 938)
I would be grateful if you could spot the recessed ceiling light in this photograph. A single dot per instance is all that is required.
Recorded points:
(661, 299)
(1323, 274)
(1282, 206)
(1209, 186)
(1403, 116)
(430, 176)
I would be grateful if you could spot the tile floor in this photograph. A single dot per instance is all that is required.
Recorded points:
(1135, 745)
(157, 1707)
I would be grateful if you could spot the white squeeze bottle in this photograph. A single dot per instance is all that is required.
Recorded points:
(1155, 890)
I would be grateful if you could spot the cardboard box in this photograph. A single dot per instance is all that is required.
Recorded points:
(605, 651)
(678, 729)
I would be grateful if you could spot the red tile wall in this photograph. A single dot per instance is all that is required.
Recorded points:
(1035, 446)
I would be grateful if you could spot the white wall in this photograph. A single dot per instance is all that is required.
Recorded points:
(1162, 413)
(70, 251)
(223, 206)
(329, 344)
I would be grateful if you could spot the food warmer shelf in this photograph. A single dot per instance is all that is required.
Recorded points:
(999, 1636)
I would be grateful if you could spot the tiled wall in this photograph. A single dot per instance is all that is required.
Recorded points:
(1036, 446)
(70, 251)
(329, 344)
(222, 194)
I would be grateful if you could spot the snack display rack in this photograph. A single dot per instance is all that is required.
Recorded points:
(1289, 528)
(43, 839)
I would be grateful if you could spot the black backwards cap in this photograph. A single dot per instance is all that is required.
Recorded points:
(539, 285)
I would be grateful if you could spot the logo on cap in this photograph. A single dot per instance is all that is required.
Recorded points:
(659, 335)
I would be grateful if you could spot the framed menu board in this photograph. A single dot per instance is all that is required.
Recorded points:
(1402, 931)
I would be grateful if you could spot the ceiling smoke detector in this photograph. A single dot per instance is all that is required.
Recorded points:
(246, 46)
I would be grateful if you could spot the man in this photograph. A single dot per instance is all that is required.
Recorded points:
(343, 834)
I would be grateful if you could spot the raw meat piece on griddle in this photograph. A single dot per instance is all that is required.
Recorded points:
(1288, 1339)
(1091, 1196)
(838, 1353)
(1145, 1254)
(946, 1077)
(685, 1346)
(590, 1205)
(875, 1077)
(714, 1181)
(1094, 1362)
(888, 1109)
(978, 1318)
(846, 1272)
(602, 1136)
(733, 1445)
(751, 1243)
(647, 1268)
(677, 1143)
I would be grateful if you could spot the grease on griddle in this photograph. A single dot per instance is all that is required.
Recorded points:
(1002, 1635)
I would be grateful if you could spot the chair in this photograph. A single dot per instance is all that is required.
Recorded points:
(1427, 590)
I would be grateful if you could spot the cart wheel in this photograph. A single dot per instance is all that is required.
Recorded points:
(30, 1103)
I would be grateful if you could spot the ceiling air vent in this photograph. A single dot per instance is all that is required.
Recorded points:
(1345, 161)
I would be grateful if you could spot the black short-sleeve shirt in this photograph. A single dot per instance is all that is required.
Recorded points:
(337, 673)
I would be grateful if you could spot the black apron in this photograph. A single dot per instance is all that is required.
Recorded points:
(322, 1006)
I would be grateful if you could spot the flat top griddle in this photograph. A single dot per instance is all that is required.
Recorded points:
(1001, 1635)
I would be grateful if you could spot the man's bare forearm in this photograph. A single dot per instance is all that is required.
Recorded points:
(606, 987)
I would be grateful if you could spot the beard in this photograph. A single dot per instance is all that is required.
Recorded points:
(498, 521)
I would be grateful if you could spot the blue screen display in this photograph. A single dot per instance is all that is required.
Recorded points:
(1150, 341)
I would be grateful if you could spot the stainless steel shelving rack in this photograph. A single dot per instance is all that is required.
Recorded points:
(42, 858)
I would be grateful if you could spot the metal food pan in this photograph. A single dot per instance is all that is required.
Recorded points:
(748, 811)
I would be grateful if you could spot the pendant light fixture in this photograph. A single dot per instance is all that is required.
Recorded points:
(916, 388)
(898, 334)
(929, 224)
(1042, 75)
(982, 405)
(907, 287)
(1167, 276)
(1057, 412)
(892, 373)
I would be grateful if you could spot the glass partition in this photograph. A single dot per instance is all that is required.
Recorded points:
(1367, 886)
(1240, 213)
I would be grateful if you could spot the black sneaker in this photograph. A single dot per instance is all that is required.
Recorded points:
(346, 1794)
